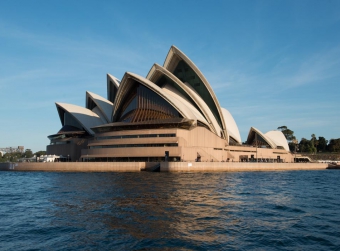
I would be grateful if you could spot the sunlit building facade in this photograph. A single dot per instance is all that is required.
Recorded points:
(172, 114)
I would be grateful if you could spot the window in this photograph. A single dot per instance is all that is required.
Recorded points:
(136, 136)
(189, 75)
(135, 145)
(142, 104)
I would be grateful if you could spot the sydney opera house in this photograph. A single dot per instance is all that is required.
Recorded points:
(172, 114)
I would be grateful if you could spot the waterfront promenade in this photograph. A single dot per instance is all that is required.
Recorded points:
(163, 166)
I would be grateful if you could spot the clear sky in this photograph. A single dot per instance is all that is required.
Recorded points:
(270, 63)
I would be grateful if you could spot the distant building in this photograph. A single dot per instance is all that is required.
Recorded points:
(19, 149)
(172, 114)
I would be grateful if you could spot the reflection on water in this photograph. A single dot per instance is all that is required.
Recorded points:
(192, 211)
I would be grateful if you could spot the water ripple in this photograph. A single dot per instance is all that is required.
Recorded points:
(168, 211)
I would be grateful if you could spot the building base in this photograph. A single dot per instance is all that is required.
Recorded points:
(163, 166)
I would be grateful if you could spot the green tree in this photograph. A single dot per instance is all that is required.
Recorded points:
(334, 145)
(289, 134)
(306, 145)
(322, 146)
(39, 153)
(28, 153)
(11, 157)
(293, 145)
(314, 142)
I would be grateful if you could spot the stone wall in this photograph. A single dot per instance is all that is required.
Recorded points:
(74, 166)
(164, 166)
(323, 156)
(237, 166)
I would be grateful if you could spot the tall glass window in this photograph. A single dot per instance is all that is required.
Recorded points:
(142, 104)
(186, 74)
(70, 120)
(257, 141)
(164, 80)
(112, 92)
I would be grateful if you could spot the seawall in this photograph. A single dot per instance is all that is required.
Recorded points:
(164, 166)
(237, 166)
(74, 166)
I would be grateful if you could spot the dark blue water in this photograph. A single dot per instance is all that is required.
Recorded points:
(297, 210)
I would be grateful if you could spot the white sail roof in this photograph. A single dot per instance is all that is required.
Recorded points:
(202, 112)
(127, 84)
(173, 58)
(231, 125)
(105, 106)
(275, 139)
(278, 138)
(86, 118)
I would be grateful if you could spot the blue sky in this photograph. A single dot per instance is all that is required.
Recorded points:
(270, 63)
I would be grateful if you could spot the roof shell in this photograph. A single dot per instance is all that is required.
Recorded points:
(112, 87)
(177, 95)
(278, 138)
(105, 106)
(231, 125)
(171, 61)
(267, 139)
(201, 111)
(84, 116)
(126, 84)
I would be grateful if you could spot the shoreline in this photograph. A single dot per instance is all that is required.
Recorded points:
(159, 166)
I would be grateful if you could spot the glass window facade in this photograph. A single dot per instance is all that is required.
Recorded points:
(131, 159)
(90, 103)
(135, 145)
(186, 74)
(257, 141)
(199, 123)
(60, 142)
(112, 91)
(164, 80)
(233, 142)
(142, 104)
(137, 136)
(70, 120)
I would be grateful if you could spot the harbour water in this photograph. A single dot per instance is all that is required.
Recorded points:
(287, 210)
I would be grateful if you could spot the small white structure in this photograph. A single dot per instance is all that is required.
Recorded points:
(48, 158)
